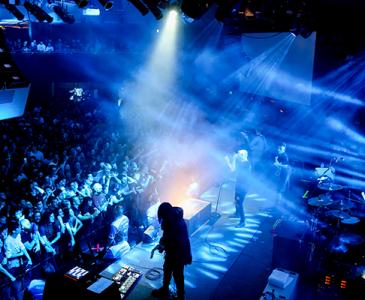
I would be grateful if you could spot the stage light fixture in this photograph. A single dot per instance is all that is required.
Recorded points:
(15, 11)
(174, 7)
(297, 28)
(140, 7)
(195, 9)
(91, 12)
(163, 4)
(106, 4)
(63, 14)
(156, 12)
(37, 12)
(248, 11)
(173, 12)
(152, 6)
(81, 3)
(224, 9)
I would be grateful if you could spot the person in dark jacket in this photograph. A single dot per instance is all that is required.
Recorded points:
(176, 245)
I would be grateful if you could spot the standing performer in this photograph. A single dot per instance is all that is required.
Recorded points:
(282, 171)
(258, 147)
(176, 245)
(242, 168)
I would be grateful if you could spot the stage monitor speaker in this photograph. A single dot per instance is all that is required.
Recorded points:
(291, 247)
(196, 213)
(282, 284)
(14, 87)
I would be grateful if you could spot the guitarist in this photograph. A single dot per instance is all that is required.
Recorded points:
(282, 170)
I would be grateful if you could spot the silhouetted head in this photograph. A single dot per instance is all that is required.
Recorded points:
(281, 148)
(164, 211)
(118, 211)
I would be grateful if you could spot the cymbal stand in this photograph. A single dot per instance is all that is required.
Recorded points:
(313, 227)
(314, 231)
(338, 223)
(339, 219)
(313, 224)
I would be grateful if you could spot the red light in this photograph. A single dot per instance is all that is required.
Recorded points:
(343, 284)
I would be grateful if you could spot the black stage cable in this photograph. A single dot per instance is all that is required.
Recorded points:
(220, 248)
(211, 245)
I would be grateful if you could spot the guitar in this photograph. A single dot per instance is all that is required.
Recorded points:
(279, 167)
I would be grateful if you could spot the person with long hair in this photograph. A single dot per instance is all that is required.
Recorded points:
(176, 246)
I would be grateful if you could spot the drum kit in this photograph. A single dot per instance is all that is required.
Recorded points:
(336, 210)
(337, 214)
(339, 209)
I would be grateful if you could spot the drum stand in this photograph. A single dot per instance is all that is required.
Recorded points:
(313, 221)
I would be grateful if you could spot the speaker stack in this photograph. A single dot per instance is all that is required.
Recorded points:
(291, 246)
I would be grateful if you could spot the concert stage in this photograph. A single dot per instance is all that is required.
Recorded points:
(216, 250)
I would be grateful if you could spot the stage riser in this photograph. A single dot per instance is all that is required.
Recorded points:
(196, 213)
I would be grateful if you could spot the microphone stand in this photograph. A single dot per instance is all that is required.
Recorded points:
(216, 215)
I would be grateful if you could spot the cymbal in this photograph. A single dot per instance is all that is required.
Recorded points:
(328, 186)
(320, 201)
(338, 214)
(339, 248)
(351, 220)
(351, 238)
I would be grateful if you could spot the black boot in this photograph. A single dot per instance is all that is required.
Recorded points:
(160, 293)
(241, 224)
(179, 297)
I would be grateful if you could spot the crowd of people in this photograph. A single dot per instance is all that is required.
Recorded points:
(70, 182)
(60, 45)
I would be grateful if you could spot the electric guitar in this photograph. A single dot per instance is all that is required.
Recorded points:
(279, 167)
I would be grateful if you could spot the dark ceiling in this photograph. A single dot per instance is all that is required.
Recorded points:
(339, 24)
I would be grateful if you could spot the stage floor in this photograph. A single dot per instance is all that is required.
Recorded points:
(228, 262)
